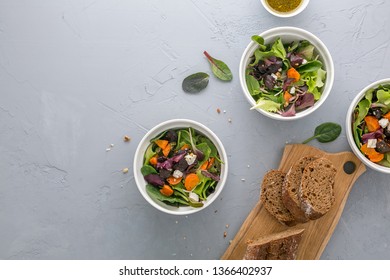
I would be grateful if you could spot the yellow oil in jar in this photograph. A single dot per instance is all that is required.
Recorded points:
(284, 6)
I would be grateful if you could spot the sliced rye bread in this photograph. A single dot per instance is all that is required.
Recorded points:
(291, 187)
(278, 246)
(317, 188)
(271, 197)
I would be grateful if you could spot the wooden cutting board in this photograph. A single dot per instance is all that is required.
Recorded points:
(318, 232)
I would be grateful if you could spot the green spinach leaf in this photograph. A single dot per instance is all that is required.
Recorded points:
(253, 85)
(219, 68)
(195, 82)
(311, 66)
(325, 132)
(147, 169)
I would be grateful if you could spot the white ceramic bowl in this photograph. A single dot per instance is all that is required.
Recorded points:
(139, 157)
(289, 34)
(292, 13)
(349, 131)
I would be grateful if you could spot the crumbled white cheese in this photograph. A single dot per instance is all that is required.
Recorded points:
(190, 158)
(177, 174)
(304, 61)
(371, 143)
(383, 122)
(274, 76)
(194, 196)
(292, 90)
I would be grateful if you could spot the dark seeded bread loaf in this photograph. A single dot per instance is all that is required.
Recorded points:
(271, 197)
(317, 188)
(279, 246)
(291, 187)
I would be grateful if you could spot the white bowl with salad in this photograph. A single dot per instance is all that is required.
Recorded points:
(286, 73)
(368, 125)
(180, 166)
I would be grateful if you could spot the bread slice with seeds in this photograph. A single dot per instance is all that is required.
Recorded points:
(291, 187)
(278, 246)
(317, 188)
(271, 197)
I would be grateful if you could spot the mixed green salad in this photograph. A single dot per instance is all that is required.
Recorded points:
(370, 125)
(181, 167)
(284, 78)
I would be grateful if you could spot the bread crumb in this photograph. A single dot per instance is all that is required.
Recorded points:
(126, 138)
(229, 120)
(243, 179)
(227, 225)
(112, 145)
(108, 149)
(224, 234)
(230, 241)
(218, 111)
(125, 170)
(224, 111)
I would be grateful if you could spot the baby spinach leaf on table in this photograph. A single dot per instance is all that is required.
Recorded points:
(325, 132)
(196, 82)
(219, 68)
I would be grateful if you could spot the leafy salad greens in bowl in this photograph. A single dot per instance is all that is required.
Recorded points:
(286, 73)
(180, 166)
(368, 125)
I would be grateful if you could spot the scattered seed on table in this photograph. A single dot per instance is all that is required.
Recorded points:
(218, 111)
(224, 234)
(125, 170)
(126, 138)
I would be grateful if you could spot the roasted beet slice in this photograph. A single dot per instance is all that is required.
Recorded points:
(382, 147)
(171, 136)
(181, 165)
(164, 173)
(154, 180)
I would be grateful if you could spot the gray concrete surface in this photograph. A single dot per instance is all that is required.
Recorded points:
(75, 76)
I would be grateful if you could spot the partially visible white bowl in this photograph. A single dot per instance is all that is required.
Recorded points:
(292, 13)
(348, 125)
(139, 158)
(289, 34)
